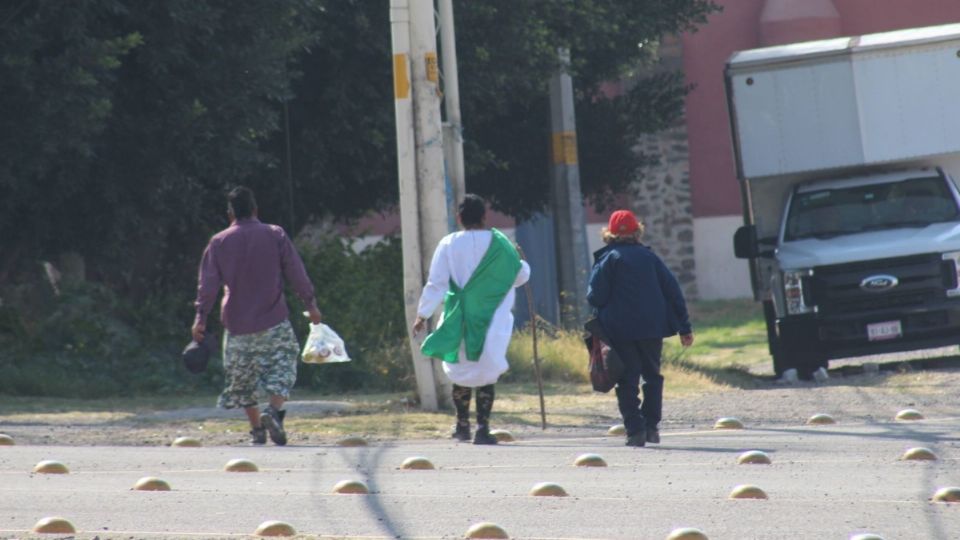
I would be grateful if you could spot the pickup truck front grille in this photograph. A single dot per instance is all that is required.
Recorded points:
(922, 279)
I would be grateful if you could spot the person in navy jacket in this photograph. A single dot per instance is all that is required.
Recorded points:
(638, 302)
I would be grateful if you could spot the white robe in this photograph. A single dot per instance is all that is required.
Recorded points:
(456, 257)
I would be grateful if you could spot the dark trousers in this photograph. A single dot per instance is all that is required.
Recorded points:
(640, 358)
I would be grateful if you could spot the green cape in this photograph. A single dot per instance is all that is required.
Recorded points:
(467, 312)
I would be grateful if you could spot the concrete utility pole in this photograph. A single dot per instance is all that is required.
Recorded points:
(573, 258)
(453, 127)
(423, 200)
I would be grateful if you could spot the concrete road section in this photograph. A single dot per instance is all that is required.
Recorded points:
(824, 482)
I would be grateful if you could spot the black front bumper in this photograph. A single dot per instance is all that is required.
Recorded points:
(840, 336)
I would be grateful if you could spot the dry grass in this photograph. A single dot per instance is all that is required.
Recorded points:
(730, 346)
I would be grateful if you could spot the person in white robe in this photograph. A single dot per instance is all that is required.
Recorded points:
(456, 258)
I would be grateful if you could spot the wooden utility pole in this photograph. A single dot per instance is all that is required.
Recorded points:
(573, 258)
(453, 127)
(423, 191)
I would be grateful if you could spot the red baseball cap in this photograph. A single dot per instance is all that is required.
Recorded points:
(623, 222)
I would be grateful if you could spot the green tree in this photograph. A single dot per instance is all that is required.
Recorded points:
(58, 75)
(342, 116)
(123, 121)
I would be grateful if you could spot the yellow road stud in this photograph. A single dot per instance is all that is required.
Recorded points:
(747, 491)
(187, 442)
(50, 467)
(275, 528)
(947, 494)
(919, 454)
(151, 483)
(417, 463)
(687, 533)
(754, 457)
(241, 465)
(547, 489)
(351, 487)
(728, 423)
(908, 415)
(54, 525)
(821, 420)
(589, 460)
(486, 530)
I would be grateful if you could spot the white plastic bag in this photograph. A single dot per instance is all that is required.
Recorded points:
(324, 346)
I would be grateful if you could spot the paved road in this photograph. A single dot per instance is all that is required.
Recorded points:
(824, 483)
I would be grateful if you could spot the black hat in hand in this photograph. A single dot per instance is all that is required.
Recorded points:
(196, 356)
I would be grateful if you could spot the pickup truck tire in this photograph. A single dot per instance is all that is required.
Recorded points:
(773, 338)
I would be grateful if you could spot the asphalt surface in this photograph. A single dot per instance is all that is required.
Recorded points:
(824, 482)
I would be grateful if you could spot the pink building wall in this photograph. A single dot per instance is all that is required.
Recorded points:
(713, 183)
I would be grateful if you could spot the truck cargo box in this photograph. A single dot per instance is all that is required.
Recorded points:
(845, 102)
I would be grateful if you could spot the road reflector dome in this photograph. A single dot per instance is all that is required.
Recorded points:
(589, 460)
(754, 457)
(275, 528)
(151, 483)
(351, 487)
(50, 467)
(747, 491)
(547, 489)
(486, 530)
(728, 423)
(54, 525)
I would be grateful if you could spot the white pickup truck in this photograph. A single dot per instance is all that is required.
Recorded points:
(845, 149)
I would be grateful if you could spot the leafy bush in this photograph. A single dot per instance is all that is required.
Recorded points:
(83, 342)
(89, 341)
(360, 295)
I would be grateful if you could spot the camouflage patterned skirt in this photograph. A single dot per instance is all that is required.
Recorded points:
(262, 362)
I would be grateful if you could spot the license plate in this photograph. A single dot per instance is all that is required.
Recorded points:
(884, 330)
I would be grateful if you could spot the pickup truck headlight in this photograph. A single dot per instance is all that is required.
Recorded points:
(953, 273)
(794, 282)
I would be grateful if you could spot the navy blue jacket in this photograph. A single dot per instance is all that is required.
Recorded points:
(636, 295)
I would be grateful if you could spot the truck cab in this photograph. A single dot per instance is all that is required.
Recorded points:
(867, 264)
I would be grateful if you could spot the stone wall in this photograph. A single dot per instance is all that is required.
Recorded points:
(660, 196)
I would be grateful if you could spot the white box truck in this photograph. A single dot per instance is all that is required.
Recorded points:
(846, 152)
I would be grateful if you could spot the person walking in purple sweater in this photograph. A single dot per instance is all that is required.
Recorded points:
(251, 261)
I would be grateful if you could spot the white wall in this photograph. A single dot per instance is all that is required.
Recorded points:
(719, 273)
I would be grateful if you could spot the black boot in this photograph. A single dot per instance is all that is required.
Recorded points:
(461, 432)
(272, 419)
(461, 401)
(637, 439)
(483, 436)
(653, 435)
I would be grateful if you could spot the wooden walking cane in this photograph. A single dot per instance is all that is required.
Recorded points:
(536, 354)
